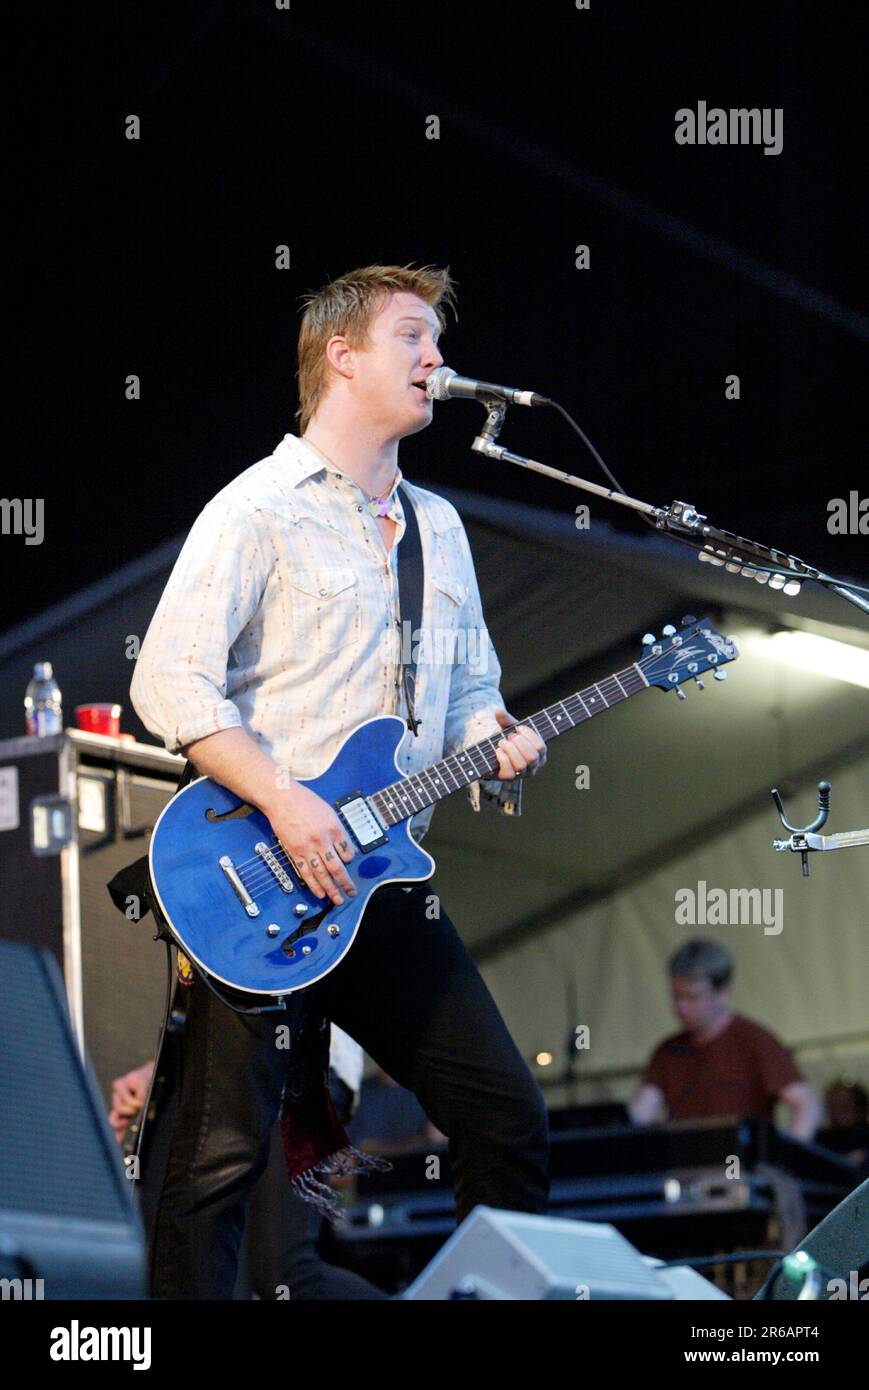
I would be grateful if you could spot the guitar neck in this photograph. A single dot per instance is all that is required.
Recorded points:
(480, 761)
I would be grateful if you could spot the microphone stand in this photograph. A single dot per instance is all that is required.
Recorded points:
(715, 546)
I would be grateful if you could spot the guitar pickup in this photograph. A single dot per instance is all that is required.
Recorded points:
(362, 821)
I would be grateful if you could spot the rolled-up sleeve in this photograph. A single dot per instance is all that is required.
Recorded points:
(179, 684)
(475, 694)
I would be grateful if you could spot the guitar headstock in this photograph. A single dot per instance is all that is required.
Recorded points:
(676, 657)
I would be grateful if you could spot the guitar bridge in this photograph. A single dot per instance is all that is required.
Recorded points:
(244, 896)
(284, 881)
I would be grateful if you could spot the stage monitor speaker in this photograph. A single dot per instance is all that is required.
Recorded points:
(839, 1245)
(67, 1212)
(511, 1255)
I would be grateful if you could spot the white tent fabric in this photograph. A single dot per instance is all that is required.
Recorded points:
(809, 982)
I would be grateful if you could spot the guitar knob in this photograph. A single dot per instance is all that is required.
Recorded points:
(719, 675)
(681, 693)
(687, 619)
(669, 630)
(699, 683)
(648, 639)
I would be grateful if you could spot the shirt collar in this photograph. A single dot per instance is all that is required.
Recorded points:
(302, 460)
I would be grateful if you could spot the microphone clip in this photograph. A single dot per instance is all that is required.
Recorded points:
(496, 411)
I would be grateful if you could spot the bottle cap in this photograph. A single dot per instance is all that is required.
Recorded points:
(43, 671)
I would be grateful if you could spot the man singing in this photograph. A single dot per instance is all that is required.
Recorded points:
(270, 644)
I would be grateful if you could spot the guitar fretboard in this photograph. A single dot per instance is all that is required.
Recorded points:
(480, 761)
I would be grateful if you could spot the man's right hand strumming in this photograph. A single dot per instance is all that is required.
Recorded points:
(305, 824)
(314, 839)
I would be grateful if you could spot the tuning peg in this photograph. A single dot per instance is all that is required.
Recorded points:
(669, 630)
(719, 675)
(688, 619)
(681, 693)
(648, 639)
(698, 682)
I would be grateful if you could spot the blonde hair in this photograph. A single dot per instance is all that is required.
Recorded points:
(348, 306)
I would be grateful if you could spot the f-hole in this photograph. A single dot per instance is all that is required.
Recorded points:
(239, 812)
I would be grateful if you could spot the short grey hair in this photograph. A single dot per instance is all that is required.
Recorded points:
(700, 958)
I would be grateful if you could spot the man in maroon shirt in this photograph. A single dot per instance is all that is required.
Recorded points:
(722, 1063)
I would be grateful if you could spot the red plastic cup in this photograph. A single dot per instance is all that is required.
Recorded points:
(99, 719)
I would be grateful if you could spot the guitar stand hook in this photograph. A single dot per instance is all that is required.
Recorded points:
(800, 831)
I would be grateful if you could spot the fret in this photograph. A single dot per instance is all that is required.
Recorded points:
(422, 791)
(479, 761)
(475, 751)
(577, 711)
(464, 761)
(445, 764)
(558, 718)
(392, 804)
(633, 676)
(392, 812)
(436, 784)
(554, 727)
(609, 692)
(452, 765)
(404, 791)
(386, 815)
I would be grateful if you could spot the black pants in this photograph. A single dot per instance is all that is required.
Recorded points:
(410, 994)
(283, 1235)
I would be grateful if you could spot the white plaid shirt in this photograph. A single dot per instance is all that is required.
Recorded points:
(281, 616)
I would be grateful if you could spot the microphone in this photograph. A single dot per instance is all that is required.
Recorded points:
(444, 384)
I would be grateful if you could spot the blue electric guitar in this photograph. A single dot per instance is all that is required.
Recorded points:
(231, 896)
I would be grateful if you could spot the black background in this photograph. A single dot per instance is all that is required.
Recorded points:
(307, 127)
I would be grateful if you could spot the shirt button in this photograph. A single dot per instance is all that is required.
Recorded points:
(359, 509)
(323, 593)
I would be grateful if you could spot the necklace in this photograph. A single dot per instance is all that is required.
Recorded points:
(378, 506)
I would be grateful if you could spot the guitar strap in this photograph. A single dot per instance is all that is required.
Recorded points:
(411, 586)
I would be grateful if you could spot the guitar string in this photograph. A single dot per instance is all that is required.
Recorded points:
(261, 874)
(277, 849)
(262, 877)
(254, 872)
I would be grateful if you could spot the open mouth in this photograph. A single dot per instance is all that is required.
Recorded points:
(420, 385)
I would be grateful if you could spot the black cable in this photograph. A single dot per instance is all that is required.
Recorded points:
(698, 1261)
(699, 545)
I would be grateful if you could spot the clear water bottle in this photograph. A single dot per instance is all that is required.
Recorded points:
(42, 702)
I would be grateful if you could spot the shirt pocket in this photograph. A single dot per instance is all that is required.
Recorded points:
(326, 616)
(450, 593)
